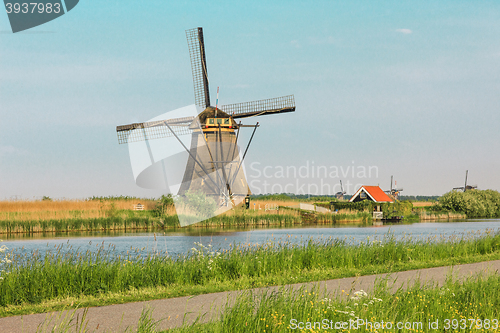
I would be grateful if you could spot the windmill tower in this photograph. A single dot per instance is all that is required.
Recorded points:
(214, 166)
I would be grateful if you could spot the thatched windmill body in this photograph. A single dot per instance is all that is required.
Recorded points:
(214, 166)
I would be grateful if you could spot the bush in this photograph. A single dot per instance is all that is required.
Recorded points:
(474, 204)
(163, 204)
(200, 203)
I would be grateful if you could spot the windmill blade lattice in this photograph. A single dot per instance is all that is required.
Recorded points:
(196, 47)
(155, 129)
(261, 107)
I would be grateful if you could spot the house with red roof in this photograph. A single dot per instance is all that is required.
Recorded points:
(373, 193)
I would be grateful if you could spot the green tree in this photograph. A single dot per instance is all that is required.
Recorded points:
(474, 203)
(165, 202)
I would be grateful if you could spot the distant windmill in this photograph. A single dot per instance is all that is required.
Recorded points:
(394, 191)
(340, 195)
(466, 187)
(214, 163)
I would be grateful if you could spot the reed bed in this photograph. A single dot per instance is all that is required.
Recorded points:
(251, 220)
(66, 209)
(62, 273)
(113, 219)
(249, 217)
(343, 217)
(138, 221)
(70, 205)
(425, 216)
(88, 224)
(261, 204)
(456, 306)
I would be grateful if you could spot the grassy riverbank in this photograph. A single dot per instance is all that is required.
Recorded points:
(36, 283)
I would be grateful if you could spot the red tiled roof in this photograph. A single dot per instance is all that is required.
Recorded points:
(375, 192)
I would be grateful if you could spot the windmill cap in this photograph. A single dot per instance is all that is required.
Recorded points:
(209, 112)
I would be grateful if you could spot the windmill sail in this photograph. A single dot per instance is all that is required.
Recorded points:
(196, 47)
(154, 129)
(260, 107)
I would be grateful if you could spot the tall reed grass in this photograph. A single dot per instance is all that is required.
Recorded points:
(259, 217)
(65, 209)
(141, 221)
(88, 224)
(34, 278)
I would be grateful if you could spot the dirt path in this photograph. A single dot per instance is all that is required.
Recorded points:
(117, 318)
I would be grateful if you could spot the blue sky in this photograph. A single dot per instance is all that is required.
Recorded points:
(410, 87)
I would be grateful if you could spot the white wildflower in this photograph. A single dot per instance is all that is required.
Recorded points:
(5, 260)
(360, 293)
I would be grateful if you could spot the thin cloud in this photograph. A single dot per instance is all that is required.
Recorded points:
(404, 31)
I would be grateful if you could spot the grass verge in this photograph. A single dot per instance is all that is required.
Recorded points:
(454, 307)
(424, 307)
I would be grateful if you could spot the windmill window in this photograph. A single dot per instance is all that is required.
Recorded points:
(219, 121)
(211, 121)
(226, 121)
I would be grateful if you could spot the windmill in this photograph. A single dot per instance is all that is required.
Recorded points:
(466, 187)
(340, 195)
(214, 165)
(394, 191)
